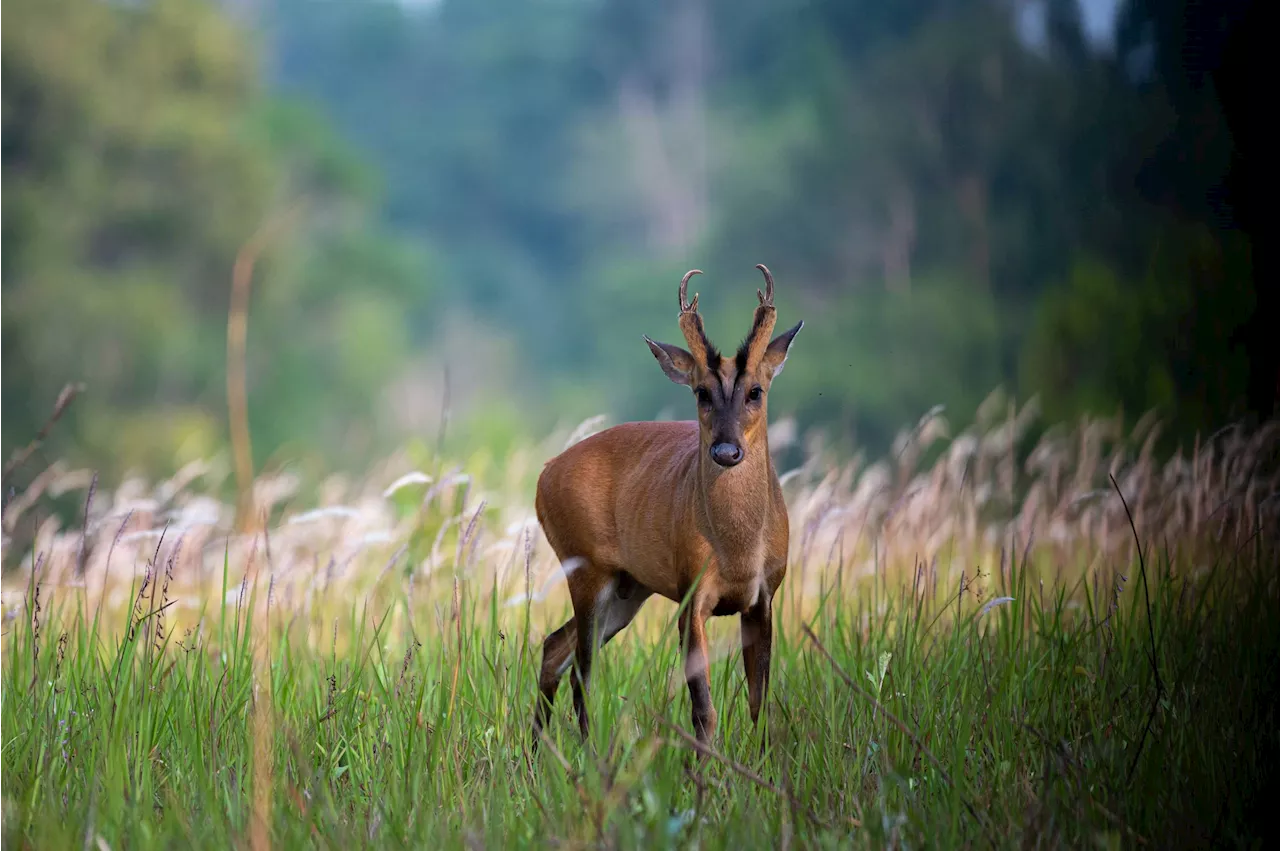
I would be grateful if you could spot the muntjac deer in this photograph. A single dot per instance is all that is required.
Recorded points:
(655, 507)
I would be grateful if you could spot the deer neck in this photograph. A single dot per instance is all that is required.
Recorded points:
(735, 501)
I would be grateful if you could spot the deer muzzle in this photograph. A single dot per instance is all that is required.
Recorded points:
(727, 454)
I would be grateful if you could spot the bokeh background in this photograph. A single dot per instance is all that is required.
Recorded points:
(466, 214)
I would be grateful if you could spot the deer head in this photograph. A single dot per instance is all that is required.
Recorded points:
(731, 393)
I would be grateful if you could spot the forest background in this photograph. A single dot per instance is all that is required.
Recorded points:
(470, 212)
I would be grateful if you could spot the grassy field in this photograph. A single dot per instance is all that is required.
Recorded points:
(970, 653)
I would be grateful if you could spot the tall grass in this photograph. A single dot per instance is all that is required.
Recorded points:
(1075, 649)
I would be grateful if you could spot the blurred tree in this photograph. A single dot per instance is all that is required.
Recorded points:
(1165, 341)
(1088, 349)
(467, 107)
(128, 186)
(1196, 67)
(1162, 321)
(936, 121)
(138, 158)
(341, 308)
(892, 355)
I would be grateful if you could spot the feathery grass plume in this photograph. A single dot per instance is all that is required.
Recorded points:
(84, 533)
(33, 616)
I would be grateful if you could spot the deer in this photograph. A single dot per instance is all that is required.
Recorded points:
(690, 509)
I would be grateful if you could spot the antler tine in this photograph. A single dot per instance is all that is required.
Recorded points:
(685, 305)
(766, 297)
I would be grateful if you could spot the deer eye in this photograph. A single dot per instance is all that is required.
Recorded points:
(755, 394)
(703, 397)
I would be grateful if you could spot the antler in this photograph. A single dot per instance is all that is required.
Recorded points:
(685, 305)
(766, 315)
(691, 325)
(766, 297)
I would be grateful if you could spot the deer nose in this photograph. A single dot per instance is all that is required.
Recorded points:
(726, 454)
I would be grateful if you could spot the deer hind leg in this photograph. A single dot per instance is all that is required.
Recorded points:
(603, 606)
(557, 655)
(614, 607)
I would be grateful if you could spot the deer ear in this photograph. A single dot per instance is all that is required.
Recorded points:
(675, 361)
(775, 357)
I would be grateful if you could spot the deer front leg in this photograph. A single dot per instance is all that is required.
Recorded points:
(693, 637)
(757, 652)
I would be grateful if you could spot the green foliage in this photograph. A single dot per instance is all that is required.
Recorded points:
(127, 186)
(137, 163)
(1086, 349)
(1168, 341)
(329, 331)
(876, 360)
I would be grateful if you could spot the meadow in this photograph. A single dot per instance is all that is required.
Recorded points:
(1005, 636)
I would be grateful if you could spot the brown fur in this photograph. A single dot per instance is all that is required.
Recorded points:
(646, 509)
